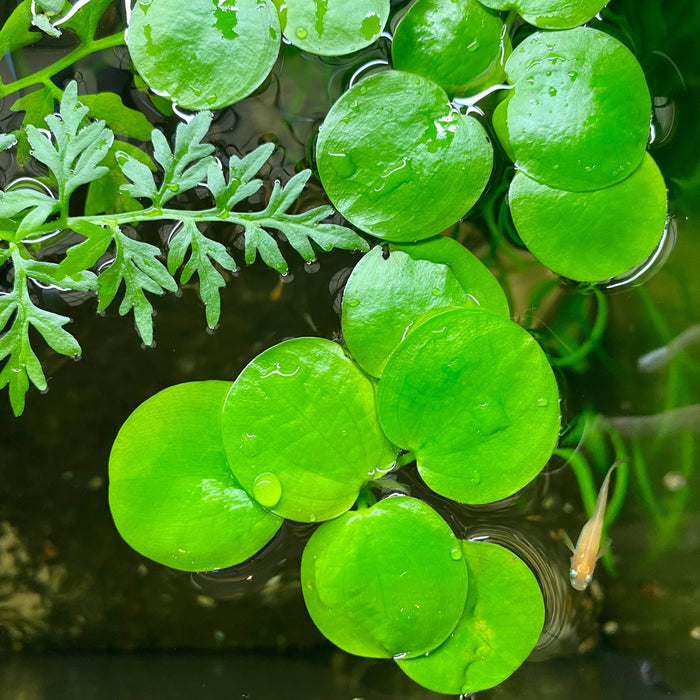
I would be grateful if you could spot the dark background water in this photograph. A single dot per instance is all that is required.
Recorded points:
(93, 619)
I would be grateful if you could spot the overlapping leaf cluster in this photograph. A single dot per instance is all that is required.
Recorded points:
(74, 150)
(304, 434)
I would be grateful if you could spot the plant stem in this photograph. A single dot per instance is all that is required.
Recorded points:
(44, 75)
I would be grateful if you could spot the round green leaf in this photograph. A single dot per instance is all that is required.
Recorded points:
(397, 161)
(472, 395)
(204, 54)
(591, 236)
(300, 430)
(388, 296)
(172, 495)
(457, 43)
(578, 118)
(385, 581)
(502, 621)
(551, 14)
(332, 27)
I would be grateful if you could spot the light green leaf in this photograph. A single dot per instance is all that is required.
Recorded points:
(229, 48)
(120, 119)
(84, 255)
(15, 32)
(136, 265)
(300, 430)
(384, 581)
(389, 294)
(187, 164)
(578, 118)
(457, 43)
(7, 141)
(591, 236)
(551, 14)
(106, 195)
(500, 625)
(397, 161)
(472, 395)
(36, 105)
(172, 495)
(332, 27)
(204, 252)
(44, 23)
(84, 22)
(74, 155)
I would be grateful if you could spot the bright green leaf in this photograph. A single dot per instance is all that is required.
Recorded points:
(389, 295)
(7, 141)
(551, 14)
(457, 43)
(204, 252)
(204, 54)
(109, 194)
(135, 264)
(16, 32)
(332, 27)
(119, 118)
(35, 105)
(385, 581)
(472, 395)
(397, 161)
(85, 20)
(591, 236)
(578, 118)
(172, 495)
(300, 430)
(501, 623)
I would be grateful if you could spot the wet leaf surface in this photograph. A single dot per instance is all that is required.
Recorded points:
(300, 430)
(385, 581)
(501, 623)
(204, 54)
(472, 395)
(332, 27)
(397, 162)
(578, 118)
(459, 44)
(388, 296)
(171, 492)
(591, 236)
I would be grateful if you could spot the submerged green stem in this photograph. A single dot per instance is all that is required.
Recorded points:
(44, 75)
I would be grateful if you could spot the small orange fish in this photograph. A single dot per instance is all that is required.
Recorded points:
(585, 554)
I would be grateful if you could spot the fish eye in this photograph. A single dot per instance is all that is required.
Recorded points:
(572, 573)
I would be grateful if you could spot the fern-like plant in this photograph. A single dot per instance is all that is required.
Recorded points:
(74, 150)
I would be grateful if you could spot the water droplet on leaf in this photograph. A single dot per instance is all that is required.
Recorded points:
(267, 490)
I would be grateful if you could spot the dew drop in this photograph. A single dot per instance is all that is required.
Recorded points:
(354, 302)
(301, 33)
(553, 91)
(267, 489)
(530, 80)
(212, 99)
(456, 553)
(196, 91)
(475, 477)
(542, 402)
(174, 187)
(436, 292)
(572, 75)
(473, 46)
